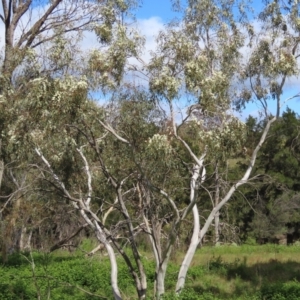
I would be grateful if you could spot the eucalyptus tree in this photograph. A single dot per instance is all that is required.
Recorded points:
(216, 60)
(205, 58)
(202, 58)
(42, 43)
(111, 199)
(44, 79)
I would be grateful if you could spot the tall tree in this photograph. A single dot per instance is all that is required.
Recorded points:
(203, 60)
(279, 187)
(44, 83)
(204, 57)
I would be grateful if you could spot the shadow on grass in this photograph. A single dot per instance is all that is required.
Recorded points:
(272, 271)
(19, 259)
(239, 280)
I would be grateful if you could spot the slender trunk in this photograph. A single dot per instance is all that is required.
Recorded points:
(1, 171)
(28, 244)
(217, 225)
(216, 209)
(156, 246)
(160, 277)
(161, 269)
(141, 280)
(153, 232)
(102, 238)
(155, 249)
(217, 199)
(196, 232)
(113, 261)
(22, 237)
(190, 253)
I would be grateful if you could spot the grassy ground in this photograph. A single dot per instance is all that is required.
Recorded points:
(226, 272)
(252, 272)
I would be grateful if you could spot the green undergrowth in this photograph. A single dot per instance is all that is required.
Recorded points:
(226, 272)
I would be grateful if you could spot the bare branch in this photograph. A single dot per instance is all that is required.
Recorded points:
(89, 177)
(112, 131)
(56, 178)
(18, 12)
(62, 242)
(33, 31)
(241, 181)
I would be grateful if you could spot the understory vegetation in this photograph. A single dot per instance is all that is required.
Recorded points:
(227, 272)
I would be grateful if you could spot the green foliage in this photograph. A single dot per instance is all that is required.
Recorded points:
(66, 275)
(280, 161)
(63, 275)
(190, 294)
(281, 291)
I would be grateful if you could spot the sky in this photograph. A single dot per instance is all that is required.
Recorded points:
(153, 14)
(151, 17)
(156, 8)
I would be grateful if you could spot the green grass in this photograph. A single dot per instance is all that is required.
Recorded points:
(247, 272)
(226, 272)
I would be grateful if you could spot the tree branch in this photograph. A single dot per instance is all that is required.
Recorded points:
(62, 242)
(33, 31)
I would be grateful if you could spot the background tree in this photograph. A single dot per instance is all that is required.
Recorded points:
(277, 208)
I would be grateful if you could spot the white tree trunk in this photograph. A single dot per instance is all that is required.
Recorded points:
(190, 253)
(161, 269)
(113, 261)
(22, 237)
(160, 277)
(217, 199)
(196, 231)
(217, 225)
(28, 244)
(216, 209)
(82, 207)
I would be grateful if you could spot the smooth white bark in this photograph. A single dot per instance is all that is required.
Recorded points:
(196, 230)
(113, 261)
(201, 233)
(244, 180)
(84, 207)
(161, 272)
(217, 199)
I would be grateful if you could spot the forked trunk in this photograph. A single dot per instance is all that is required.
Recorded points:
(216, 209)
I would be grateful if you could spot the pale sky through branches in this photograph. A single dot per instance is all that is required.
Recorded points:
(153, 14)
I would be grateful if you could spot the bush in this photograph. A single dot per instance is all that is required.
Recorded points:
(281, 291)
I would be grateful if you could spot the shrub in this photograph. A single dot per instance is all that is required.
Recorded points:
(281, 291)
